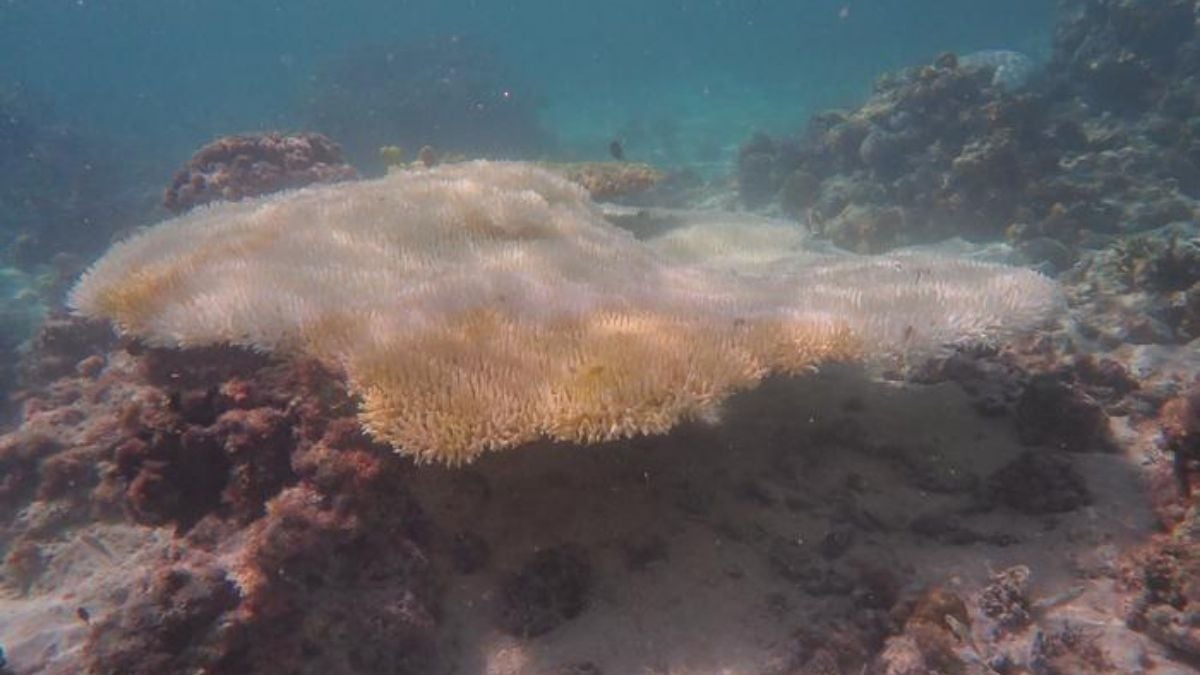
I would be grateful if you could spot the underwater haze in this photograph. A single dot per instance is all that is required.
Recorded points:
(687, 337)
(170, 75)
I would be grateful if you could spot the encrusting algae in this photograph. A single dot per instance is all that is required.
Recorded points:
(609, 180)
(483, 305)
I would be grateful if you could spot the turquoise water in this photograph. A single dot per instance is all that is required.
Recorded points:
(683, 82)
(221, 509)
(102, 102)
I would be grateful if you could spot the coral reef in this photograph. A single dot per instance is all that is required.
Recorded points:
(1005, 598)
(1141, 289)
(1128, 57)
(172, 501)
(300, 544)
(236, 167)
(1164, 572)
(622, 182)
(452, 93)
(1181, 434)
(479, 306)
(273, 495)
(936, 151)
(1106, 199)
(1090, 170)
(1011, 71)
(949, 149)
(929, 641)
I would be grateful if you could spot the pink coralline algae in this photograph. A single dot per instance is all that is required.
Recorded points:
(235, 167)
(272, 496)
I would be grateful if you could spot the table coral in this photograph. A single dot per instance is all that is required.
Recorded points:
(482, 305)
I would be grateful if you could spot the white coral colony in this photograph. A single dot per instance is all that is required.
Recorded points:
(482, 305)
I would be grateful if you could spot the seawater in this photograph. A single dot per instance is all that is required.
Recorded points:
(698, 77)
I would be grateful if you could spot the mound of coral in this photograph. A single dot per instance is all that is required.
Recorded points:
(1098, 143)
(935, 149)
(484, 305)
(236, 167)
(273, 496)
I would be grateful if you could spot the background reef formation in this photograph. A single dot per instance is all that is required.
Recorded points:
(1090, 168)
(235, 167)
(484, 305)
(1102, 141)
(289, 491)
(936, 151)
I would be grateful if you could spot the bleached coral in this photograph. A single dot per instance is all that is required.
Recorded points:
(479, 306)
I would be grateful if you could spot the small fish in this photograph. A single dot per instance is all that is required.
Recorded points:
(392, 155)
(94, 542)
(844, 12)
(427, 156)
(616, 150)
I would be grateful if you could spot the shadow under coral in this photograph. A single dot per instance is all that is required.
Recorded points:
(218, 509)
(800, 530)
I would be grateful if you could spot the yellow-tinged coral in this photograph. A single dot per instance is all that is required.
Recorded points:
(479, 306)
(392, 155)
(502, 381)
(609, 180)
